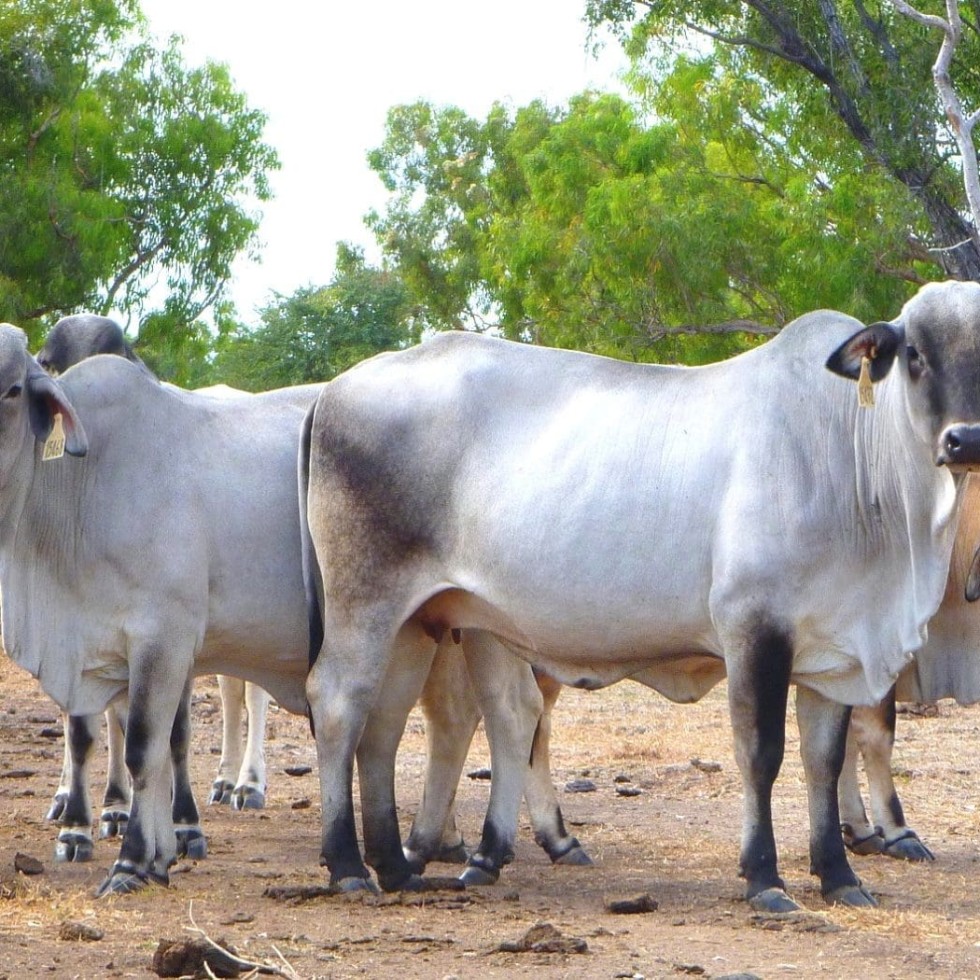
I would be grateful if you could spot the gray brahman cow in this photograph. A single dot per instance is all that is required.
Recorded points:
(608, 520)
(148, 534)
(241, 779)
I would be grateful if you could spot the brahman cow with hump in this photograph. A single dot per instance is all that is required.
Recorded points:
(148, 534)
(241, 777)
(608, 520)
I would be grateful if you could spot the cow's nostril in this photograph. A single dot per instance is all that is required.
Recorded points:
(953, 443)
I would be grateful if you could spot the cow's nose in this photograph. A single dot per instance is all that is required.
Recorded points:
(959, 445)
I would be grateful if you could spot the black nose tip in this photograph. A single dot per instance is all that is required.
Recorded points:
(960, 446)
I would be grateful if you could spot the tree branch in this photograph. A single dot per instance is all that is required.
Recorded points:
(961, 124)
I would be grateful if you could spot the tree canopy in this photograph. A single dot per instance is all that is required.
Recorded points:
(127, 175)
(317, 332)
(857, 72)
(592, 227)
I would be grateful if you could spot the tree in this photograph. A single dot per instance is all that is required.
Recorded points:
(128, 177)
(318, 332)
(860, 70)
(589, 227)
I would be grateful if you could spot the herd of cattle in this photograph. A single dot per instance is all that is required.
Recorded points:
(397, 535)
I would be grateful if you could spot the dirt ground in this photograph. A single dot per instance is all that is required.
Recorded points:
(677, 841)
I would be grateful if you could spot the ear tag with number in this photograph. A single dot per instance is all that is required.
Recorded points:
(866, 392)
(54, 447)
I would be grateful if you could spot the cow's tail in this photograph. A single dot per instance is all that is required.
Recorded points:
(312, 582)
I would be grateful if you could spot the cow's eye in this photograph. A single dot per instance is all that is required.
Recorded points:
(12, 392)
(916, 364)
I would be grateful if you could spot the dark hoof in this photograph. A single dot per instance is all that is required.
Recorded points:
(473, 874)
(221, 790)
(872, 843)
(113, 823)
(416, 863)
(853, 896)
(357, 885)
(192, 844)
(73, 847)
(908, 847)
(58, 805)
(452, 854)
(125, 879)
(773, 900)
(247, 798)
(574, 858)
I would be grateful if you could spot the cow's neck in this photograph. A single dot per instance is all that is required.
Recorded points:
(902, 495)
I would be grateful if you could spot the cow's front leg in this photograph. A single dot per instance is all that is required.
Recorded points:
(403, 682)
(759, 667)
(823, 734)
(873, 729)
(149, 846)
(72, 806)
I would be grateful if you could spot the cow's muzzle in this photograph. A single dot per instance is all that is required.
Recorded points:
(959, 447)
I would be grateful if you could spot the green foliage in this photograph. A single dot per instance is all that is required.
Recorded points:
(595, 229)
(318, 332)
(121, 167)
(848, 88)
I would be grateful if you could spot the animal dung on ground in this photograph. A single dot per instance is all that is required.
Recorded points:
(194, 958)
(544, 938)
(28, 865)
(580, 786)
(74, 931)
(637, 905)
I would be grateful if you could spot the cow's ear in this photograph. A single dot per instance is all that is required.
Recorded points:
(972, 591)
(45, 400)
(878, 342)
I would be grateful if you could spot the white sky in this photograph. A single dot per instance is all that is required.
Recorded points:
(326, 75)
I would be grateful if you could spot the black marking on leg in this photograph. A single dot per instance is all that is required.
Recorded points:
(339, 851)
(768, 668)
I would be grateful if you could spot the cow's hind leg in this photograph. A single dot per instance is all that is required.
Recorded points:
(403, 683)
(117, 799)
(874, 731)
(191, 841)
(342, 688)
(759, 665)
(451, 716)
(512, 706)
(72, 806)
(250, 784)
(823, 735)
(539, 790)
(859, 833)
(232, 691)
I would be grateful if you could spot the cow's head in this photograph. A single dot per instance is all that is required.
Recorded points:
(74, 338)
(29, 402)
(935, 344)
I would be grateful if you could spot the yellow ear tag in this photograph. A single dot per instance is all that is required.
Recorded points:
(54, 447)
(866, 392)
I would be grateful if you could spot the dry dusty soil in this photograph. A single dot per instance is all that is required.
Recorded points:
(676, 841)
